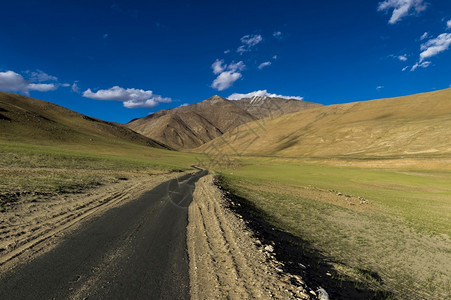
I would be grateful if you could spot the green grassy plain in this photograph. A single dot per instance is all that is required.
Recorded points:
(401, 235)
(37, 170)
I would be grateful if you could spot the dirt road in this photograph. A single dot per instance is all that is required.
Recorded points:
(227, 261)
(133, 251)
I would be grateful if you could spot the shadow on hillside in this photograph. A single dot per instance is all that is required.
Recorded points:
(2, 117)
(296, 254)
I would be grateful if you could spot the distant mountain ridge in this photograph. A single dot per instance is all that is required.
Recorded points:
(193, 125)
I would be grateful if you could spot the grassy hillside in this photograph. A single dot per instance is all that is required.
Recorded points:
(46, 149)
(404, 126)
(23, 119)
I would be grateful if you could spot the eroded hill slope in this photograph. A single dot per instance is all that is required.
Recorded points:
(190, 126)
(411, 125)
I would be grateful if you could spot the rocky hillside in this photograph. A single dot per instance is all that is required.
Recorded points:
(190, 126)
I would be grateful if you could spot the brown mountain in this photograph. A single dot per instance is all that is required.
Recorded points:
(190, 126)
(410, 125)
(264, 107)
(24, 119)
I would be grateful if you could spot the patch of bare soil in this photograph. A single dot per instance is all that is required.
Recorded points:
(227, 261)
(31, 228)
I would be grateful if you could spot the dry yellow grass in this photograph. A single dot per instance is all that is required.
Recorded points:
(416, 125)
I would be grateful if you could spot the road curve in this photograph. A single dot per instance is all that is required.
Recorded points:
(135, 251)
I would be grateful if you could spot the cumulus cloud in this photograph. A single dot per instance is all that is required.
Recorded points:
(225, 80)
(402, 57)
(264, 64)
(218, 66)
(401, 8)
(227, 74)
(261, 93)
(131, 98)
(13, 82)
(248, 41)
(435, 46)
(423, 64)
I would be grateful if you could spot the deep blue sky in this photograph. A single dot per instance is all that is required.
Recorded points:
(325, 51)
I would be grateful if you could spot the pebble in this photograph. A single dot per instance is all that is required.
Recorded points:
(269, 248)
(302, 266)
(323, 295)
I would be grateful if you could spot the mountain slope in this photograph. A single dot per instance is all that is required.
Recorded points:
(24, 119)
(190, 126)
(264, 107)
(411, 125)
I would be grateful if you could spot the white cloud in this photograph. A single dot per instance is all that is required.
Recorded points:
(424, 36)
(75, 88)
(405, 68)
(261, 93)
(448, 24)
(277, 34)
(40, 76)
(275, 57)
(401, 8)
(218, 66)
(402, 57)
(264, 64)
(423, 64)
(13, 82)
(131, 98)
(225, 80)
(379, 87)
(251, 40)
(227, 51)
(435, 46)
(42, 87)
(248, 41)
(228, 74)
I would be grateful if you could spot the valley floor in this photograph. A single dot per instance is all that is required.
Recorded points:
(384, 228)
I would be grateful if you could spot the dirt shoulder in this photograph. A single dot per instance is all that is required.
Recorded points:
(227, 260)
(28, 229)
